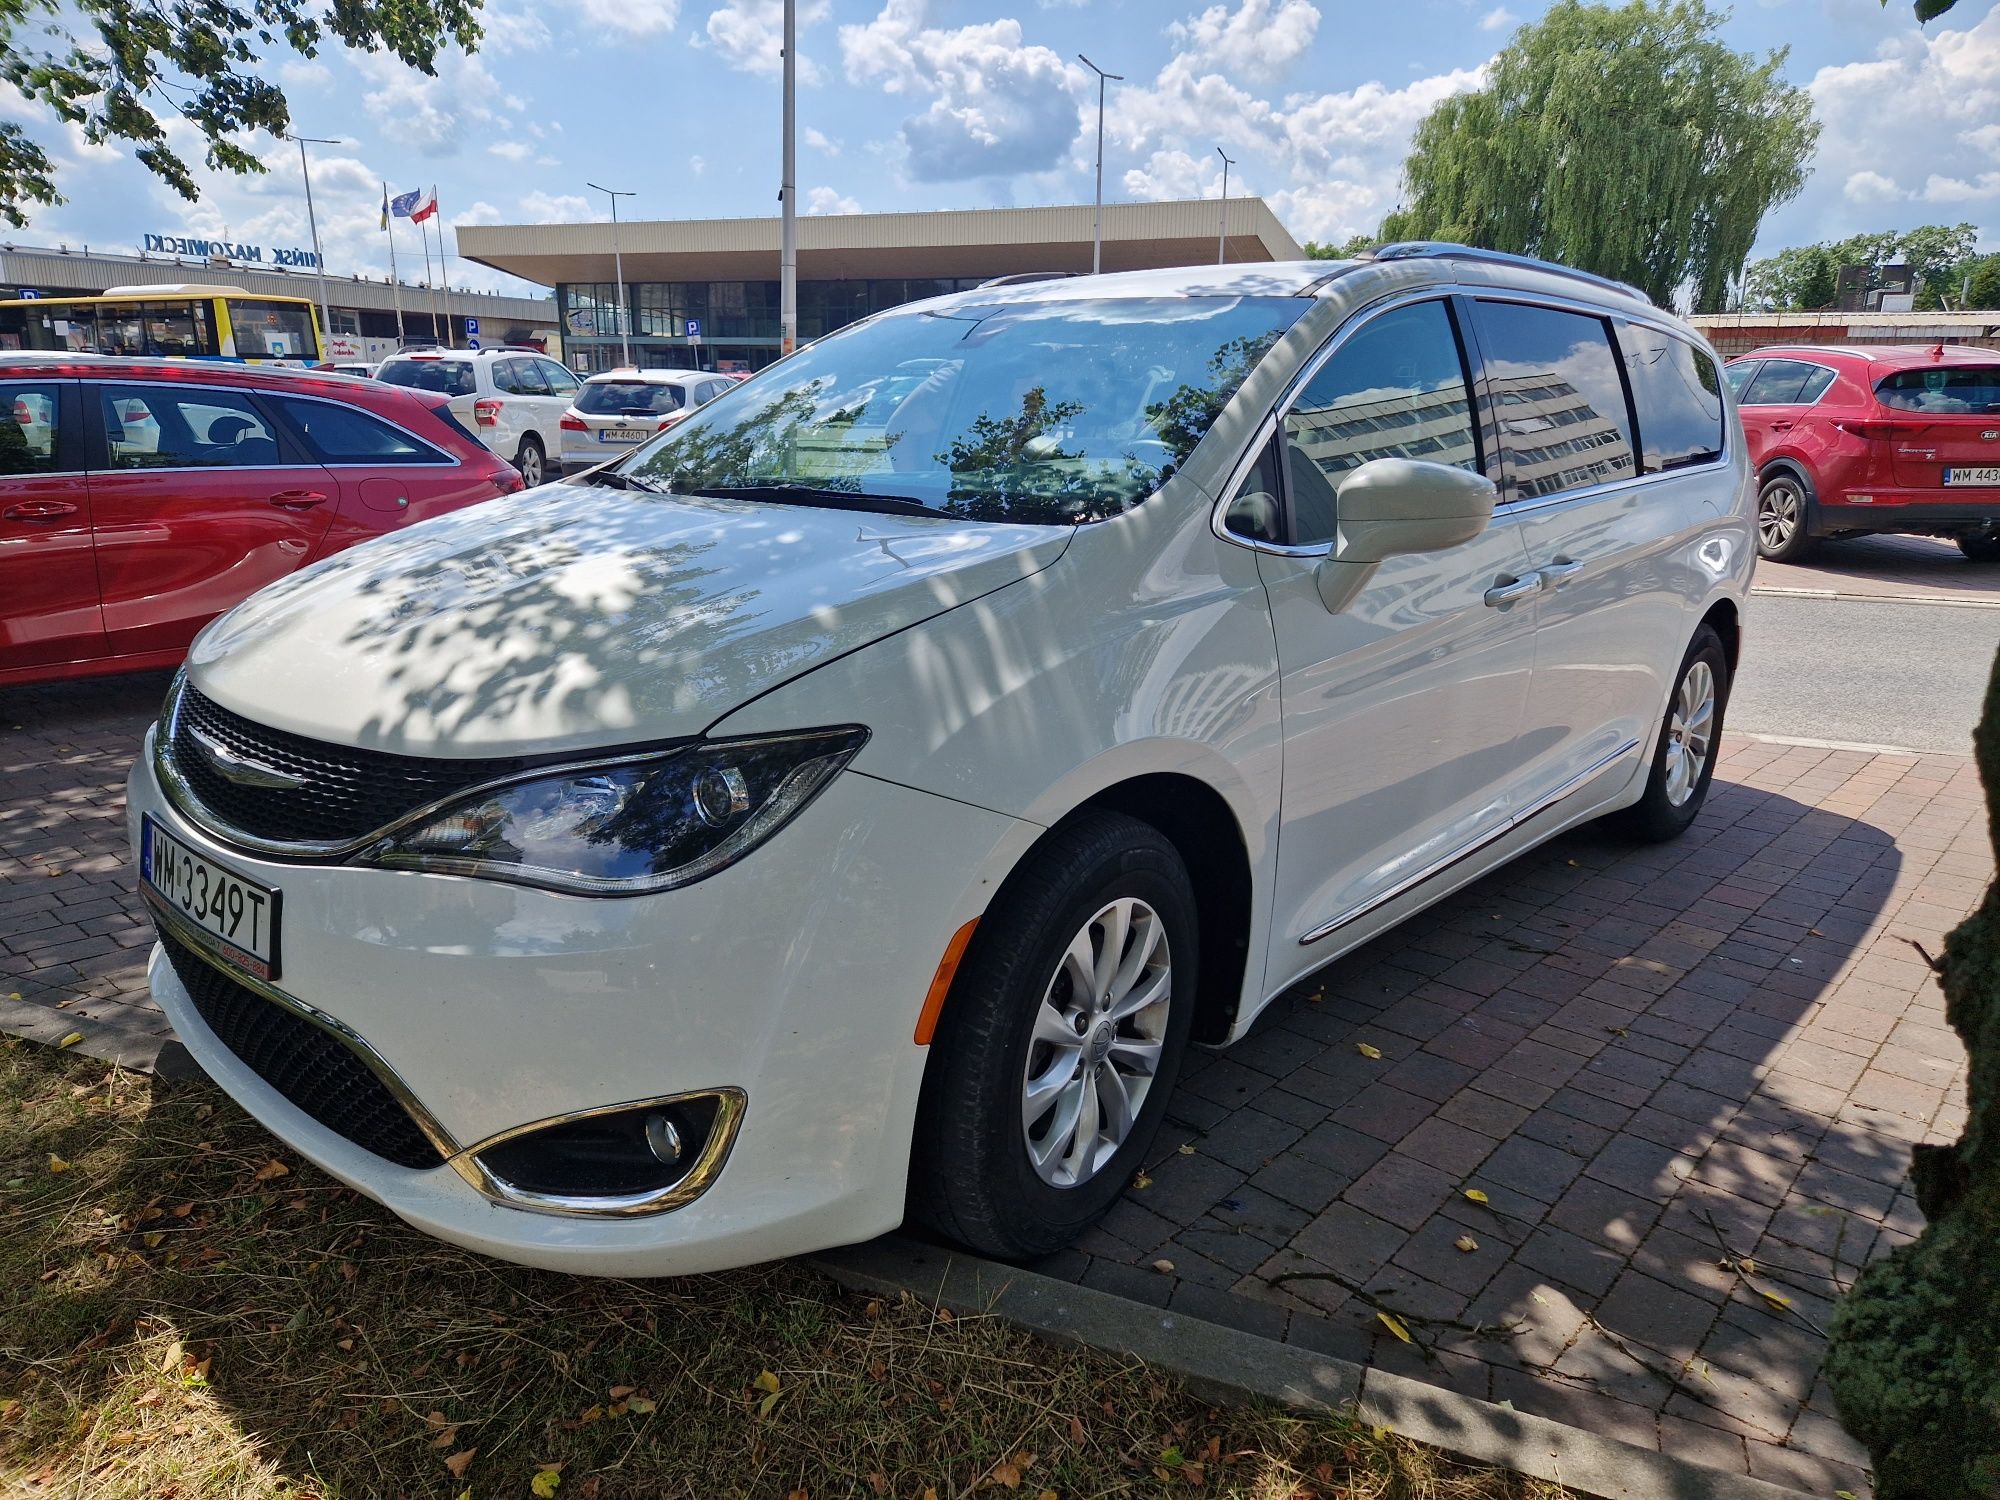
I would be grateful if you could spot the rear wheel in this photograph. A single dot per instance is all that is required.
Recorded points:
(532, 461)
(1060, 1041)
(1684, 754)
(1781, 519)
(1984, 547)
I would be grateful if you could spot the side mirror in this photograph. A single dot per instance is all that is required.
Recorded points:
(1392, 506)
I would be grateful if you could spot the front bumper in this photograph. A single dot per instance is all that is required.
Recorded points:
(795, 976)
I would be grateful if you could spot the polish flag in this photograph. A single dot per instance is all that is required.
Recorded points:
(426, 206)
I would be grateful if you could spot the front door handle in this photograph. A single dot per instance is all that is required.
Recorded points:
(1779, 426)
(1508, 590)
(38, 510)
(1560, 572)
(297, 499)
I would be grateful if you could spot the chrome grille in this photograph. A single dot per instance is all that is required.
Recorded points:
(343, 793)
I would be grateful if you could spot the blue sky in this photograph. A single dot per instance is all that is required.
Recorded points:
(912, 104)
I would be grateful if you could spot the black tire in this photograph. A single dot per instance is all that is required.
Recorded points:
(1983, 548)
(1784, 518)
(971, 1178)
(1657, 816)
(532, 461)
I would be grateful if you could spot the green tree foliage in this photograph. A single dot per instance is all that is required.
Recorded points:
(1352, 246)
(116, 68)
(1805, 276)
(1915, 1356)
(1630, 142)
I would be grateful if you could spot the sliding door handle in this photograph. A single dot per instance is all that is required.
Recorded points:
(1510, 590)
(1560, 572)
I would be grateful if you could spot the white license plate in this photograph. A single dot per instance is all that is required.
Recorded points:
(1989, 474)
(238, 917)
(622, 434)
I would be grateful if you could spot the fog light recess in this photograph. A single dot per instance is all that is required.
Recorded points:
(626, 1159)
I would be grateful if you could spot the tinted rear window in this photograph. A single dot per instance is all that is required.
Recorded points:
(1786, 382)
(635, 397)
(1943, 388)
(1679, 397)
(342, 435)
(448, 377)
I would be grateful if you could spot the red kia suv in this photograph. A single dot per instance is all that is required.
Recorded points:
(1855, 439)
(140, 498)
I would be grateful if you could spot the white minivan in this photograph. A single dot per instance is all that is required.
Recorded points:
(853, 802)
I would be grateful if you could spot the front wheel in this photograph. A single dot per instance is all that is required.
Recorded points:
(1684, 754)
(532, 462)
(1060, 1041)
(1782, 534)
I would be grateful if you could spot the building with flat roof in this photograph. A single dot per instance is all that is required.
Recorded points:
(704, 292)
(1740, 332)
(362, 312)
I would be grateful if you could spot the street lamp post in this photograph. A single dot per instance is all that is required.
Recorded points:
(1097, 220)
(312, 221)
(788, 193)
(1222, 231)
(618, 270)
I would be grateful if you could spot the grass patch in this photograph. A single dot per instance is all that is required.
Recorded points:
(192, 1312)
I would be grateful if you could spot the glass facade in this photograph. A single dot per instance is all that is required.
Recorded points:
(738, 319)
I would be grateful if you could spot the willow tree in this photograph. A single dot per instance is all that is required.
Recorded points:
(1629, 142)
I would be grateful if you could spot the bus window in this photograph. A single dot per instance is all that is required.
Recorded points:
(272, 330)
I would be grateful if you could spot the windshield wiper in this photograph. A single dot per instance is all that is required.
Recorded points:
(807, 494)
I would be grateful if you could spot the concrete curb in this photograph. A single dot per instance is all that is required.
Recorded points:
(1844, 596)
(1229, 1365)
(127, 1046)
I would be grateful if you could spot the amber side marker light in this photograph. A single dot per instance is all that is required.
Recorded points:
(947, 969)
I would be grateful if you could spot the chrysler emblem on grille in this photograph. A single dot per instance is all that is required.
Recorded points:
(241, 769)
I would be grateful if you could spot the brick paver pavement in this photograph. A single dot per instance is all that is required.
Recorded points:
(1662, 1067)
(1886, 567)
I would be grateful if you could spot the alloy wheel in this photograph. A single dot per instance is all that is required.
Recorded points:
(1779, 506)
(1690, 731)
(1098, 1036)
(531, 465)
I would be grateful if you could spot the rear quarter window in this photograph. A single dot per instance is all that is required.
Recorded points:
(1679, 399)
(447, 377)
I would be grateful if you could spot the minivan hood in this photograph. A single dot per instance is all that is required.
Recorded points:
(576, 617)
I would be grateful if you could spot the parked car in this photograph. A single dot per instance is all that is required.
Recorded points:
(795, 824)
(365, 368)
(139, 498)
(513, 398)
(1857, 440)
(623, 407)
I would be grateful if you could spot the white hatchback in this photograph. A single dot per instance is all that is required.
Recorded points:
(511, 399)
(853, 802)
(616, 411)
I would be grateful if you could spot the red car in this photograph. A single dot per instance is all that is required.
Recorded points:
(1856, 439)
(140, 498)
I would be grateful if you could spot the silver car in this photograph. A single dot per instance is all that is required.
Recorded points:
(618, 410)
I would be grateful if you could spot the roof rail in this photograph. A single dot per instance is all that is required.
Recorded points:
(1021, 277)
(1447, 250)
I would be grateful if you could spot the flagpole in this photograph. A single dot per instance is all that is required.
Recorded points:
(450, 338)
(395, 283)
(423, 236)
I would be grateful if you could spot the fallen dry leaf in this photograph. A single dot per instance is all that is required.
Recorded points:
(1141, 1180)
(459, 1462)
(1395, 1325)
(71, 1040)
(273, 1169)
(545, 1483)
(57, 1164)
(1466, 1243)
(1008, 1475)
(1475, 1195)
(1164, 1267)
(1367, 1051)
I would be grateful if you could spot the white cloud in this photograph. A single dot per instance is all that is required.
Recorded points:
(697, 165)
(509, 30)
(300, 74)
(433, 116)
(825, 200)
(819, 140)
(998, 106)
(748, 35)
(1939, 189)
(1497, 19)
(515, 151)
(1872, 187)
(1258, 39)
(630, 18)
(481, 212)
(539, 207)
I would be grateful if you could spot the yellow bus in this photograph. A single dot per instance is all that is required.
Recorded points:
(199, 322)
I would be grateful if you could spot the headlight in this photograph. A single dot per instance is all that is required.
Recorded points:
(628, 826)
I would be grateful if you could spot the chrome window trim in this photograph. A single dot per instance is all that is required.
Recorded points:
(730, 1106)
(185, 801)
(52, 474)
(1771, 359)
(201, 944)
(1473, 846)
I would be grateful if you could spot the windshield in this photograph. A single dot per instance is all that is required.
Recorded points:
(633, 397)
(271, 330)
(448, 377)
(1943, 388)
(1051, 412)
